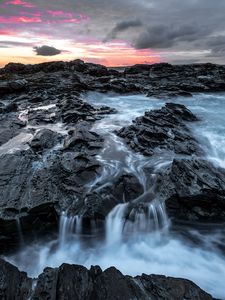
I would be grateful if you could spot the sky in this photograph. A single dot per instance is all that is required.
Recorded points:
(112, 32)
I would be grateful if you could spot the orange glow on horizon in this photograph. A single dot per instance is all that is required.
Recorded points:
(110, 55)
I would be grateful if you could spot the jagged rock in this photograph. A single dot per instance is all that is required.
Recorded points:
(45, 139)
(162, 129)
(23, 225)
(158, 80)
(194, 191)
(84, 141)
(77, 282)
(13, 283)
(30, 179)
(100, 201)
(39, 116)
(13, 86)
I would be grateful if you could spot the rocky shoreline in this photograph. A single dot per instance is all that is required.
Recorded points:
(48, 153)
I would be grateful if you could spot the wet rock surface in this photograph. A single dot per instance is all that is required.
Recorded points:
(77, 282)
(163, 129)
(194, 191)
(13, 283)
(165, 80)
(156, 80)
(57, 150)
(49, 164)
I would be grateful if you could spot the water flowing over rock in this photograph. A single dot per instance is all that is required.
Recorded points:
(127, 220)
(81, 183)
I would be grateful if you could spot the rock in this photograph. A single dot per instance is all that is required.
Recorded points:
(100, 201)
(84, 141)
(137, 69)
(45, 139)
(77, 282)
(158, 80)
(7, 87)
(96, 70)
(13, 283)
(194, 191)
(10, 125)
(162, 129)
(38, 117)
(19, 226)
(74, 110)
(11, 107)
(29, 179)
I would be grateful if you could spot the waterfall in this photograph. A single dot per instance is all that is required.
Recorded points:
(125, 220)
(115, 223)
(20, 232)
(68, 227)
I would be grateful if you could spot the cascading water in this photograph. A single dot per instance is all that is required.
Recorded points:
(127, 222)
(137, 237)
(20, 232)
(69, 226)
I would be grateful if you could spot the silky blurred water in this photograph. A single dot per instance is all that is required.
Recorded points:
(153, 250)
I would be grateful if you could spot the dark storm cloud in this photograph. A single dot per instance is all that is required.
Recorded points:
(162, 36)
(122, 26)
(46, 51)
(217, 46)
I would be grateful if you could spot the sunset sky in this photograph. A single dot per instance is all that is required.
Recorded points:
(113, 33)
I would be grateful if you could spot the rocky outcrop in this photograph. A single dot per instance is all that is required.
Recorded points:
(102, 199)
(158, 80)
(193, 190)
(13, 283)
(78, 283)
(46, 180)
(45, 139)
(165, 80)
(48, 164)
(7, 87)
(163, 129)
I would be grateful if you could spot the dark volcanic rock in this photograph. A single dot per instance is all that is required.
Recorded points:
(78, 283)
(7, 87)
(42, 176)
(162, 129)
(74, 110)
(194, 191)
(99, 202)
(13, 283)
(165, 80)
(158, 80)
(45, 139)
(10, 126)
(19, 226)
(83, 140)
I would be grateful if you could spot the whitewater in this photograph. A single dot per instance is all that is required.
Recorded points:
(147, 244)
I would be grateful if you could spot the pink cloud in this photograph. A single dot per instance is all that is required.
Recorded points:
(6, 32)
(17, 20)
(20, 3)
(29, 13)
